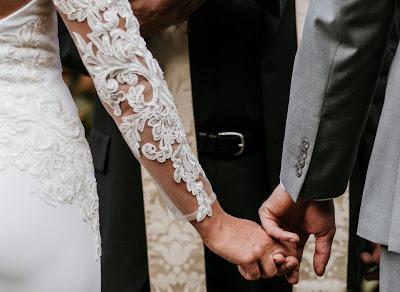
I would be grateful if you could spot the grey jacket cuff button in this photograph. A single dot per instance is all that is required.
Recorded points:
(303, 154)
(302, 162)
(306, 144)
(299, 171)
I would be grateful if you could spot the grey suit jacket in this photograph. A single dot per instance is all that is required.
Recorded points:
(334, 77)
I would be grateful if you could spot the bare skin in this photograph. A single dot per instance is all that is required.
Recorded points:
(8, 7)
(283, 219)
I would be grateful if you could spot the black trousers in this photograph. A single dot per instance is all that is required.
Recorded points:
(241, 186)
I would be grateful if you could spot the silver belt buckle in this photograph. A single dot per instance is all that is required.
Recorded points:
(241, 144)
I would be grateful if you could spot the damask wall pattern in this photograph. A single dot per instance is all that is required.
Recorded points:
(175, 250)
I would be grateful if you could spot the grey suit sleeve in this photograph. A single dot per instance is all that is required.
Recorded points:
(334, 77)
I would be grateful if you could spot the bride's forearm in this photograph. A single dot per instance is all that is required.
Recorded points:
(132, 88)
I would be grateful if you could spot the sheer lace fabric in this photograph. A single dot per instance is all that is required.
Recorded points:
(130, 84)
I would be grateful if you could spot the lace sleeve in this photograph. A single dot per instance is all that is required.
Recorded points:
(131, 86)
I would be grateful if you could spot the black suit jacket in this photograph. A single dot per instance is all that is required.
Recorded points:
(276, 74)
(241, 60)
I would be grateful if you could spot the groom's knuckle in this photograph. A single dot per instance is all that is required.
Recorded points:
(249, 257)
(258, 248)
(262, 209)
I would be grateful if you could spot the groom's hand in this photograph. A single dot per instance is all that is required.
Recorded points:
(156, 15)
(280, 213)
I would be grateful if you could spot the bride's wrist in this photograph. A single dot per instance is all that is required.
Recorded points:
(211, 226)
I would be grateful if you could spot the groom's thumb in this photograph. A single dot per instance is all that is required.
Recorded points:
(270, 223)
(274, 231)
(323, 245)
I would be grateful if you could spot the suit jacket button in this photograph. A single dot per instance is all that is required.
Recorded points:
(303, 153)
(306, 144)
(301, 162)
(299, 171)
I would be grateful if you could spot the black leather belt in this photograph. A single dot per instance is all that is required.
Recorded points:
(227, 144)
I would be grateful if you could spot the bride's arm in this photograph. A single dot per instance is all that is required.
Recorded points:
(131, 87)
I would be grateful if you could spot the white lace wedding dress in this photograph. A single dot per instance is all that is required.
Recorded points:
(47, 182)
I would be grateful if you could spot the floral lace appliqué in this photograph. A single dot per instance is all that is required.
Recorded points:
(36, 134)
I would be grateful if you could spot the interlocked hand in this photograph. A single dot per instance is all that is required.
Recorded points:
(283, 219)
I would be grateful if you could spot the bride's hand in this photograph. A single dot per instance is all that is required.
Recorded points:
(246, 244)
